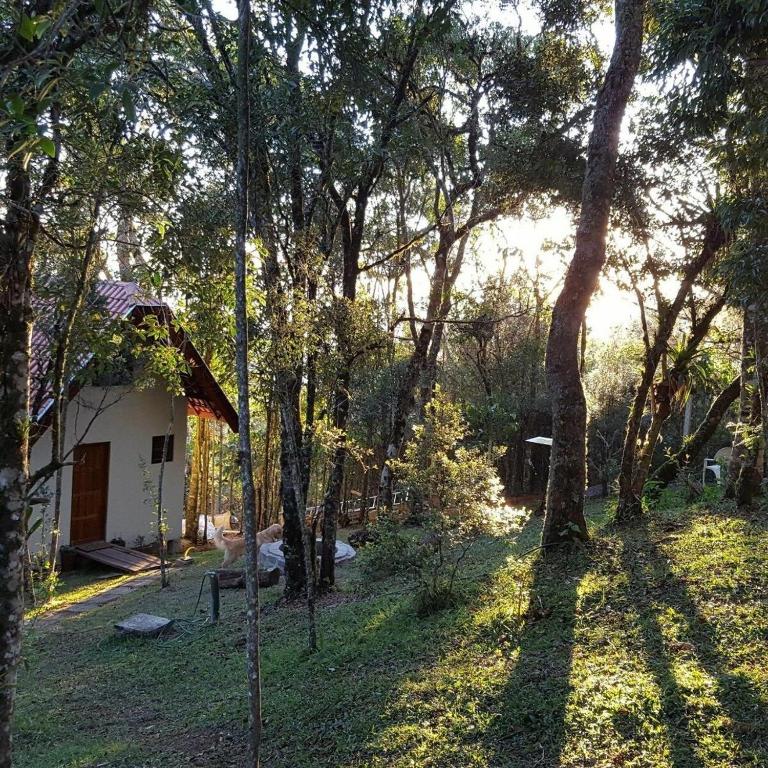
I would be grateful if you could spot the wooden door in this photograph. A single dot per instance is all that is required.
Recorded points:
(90, 476)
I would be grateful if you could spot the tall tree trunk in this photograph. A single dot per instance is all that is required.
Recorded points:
(57, 443)
(266, 480)
(297, 547)
(245, 456)
(287, 389)
(307, 445)
(406, 391)
(692, 447)
(748, 479)
(739, 445)
(662, 411)
(564, 519)
(296, 480)
(429, 376)
(220, 472)
(663, 393)
(17, 250)
(744, 471)
(332, 497)
(203, 500)
(293, 536)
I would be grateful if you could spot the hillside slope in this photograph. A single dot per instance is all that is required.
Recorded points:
(647, 648)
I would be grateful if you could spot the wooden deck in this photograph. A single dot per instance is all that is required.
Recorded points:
(117, 557)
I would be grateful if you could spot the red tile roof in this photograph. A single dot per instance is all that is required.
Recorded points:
(129, 302)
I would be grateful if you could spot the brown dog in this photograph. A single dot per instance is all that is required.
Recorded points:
(234, 547)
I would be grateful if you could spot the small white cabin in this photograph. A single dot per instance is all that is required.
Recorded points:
(113, 439)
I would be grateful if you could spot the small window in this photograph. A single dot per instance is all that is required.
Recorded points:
(157, 449)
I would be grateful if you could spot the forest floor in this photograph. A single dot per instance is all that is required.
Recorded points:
(645, 648)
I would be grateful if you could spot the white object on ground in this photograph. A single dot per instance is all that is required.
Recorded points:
(208, 531)
(271, 555)
(212, 525)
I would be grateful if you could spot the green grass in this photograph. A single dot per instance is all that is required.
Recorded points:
(72, 588)
(645, 648)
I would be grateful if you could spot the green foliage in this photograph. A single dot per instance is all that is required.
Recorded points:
(162, 360)
(459, 492)
(456, 482)
(497, 366)
(393, 550)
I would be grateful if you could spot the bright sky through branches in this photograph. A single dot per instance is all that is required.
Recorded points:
(611, 310)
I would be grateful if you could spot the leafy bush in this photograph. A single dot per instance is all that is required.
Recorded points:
(460, 492)
(390, 553)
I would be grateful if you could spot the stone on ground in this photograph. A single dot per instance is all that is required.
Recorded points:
(144, 625)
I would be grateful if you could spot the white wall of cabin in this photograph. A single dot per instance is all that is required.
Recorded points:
(128, 421)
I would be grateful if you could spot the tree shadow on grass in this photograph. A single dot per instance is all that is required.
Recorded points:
(344, 706)
(710, 713)
(530, 728)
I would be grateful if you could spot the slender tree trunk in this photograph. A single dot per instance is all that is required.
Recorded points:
(287, 386)
(266, 481)
(162, 542)
(564, 519)
(662, 411)
(294, 464)
(406, 391)
(192, 512)
(245, 456)
(740, 436)
(204, 487)
(297, 545)
(58, 489)
(220, 471)
(61, 357)
(748, 479)
(630, 489)
(307, 441)
(429, 376)
(293, 537)
(692, 447)
(332, 497)
(688, 415)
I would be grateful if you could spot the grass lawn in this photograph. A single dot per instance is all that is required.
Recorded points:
(74, 587)
(645, 648)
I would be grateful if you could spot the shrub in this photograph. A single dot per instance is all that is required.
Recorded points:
(460, 492)
(389, 553)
